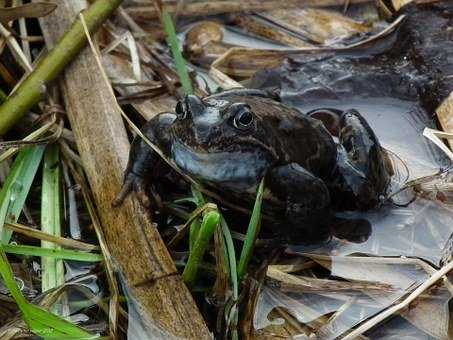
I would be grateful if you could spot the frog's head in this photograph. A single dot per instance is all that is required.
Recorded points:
(212, 124)
(219, 139)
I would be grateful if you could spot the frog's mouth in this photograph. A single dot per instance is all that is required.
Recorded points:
(241, 168)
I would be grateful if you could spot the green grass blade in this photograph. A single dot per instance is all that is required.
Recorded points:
(39, 320)
(12, 198)
(231, 310)
(52, 269)
(10, 282)
(59, 254)
(210, 221)
(17, 185)
(231, 257)
(252, 233)
(194, 232)
(50, 326)
(3, 96)
(198, 196)
(180, 63)
(228, 239)
(195, 226)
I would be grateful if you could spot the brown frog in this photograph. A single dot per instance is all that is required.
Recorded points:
(230, 141)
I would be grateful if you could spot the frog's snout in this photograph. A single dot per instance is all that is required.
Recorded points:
(194, 105)
(190, 106)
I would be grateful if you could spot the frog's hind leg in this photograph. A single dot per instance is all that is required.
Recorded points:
(362, 176)
(307, 202)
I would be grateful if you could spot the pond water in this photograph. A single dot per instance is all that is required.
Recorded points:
(422, 228)
(399, 235)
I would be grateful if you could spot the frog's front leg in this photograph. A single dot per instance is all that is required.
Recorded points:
(363, 170)
(307, 199)
(143, 159)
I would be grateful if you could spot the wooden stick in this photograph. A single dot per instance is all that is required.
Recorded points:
(163, 301)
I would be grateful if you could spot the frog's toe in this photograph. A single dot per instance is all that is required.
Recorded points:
(135, 183)
(362, 176)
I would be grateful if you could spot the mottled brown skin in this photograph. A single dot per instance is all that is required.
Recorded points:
(230, 141)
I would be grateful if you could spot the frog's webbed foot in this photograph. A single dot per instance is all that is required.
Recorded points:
(362, 175)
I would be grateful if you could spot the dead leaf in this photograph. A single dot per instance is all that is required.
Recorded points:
(397, 4)
(317, 25)
(33, 10)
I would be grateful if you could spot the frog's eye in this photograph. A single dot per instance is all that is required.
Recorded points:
(243, 119)
(181, 109)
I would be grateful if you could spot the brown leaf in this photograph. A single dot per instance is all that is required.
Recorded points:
(33, 10)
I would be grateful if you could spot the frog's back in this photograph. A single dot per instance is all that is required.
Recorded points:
(295, 137)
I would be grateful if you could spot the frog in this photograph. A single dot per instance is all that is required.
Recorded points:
(230, 141)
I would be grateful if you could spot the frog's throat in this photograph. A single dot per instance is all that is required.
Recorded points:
(245, 168)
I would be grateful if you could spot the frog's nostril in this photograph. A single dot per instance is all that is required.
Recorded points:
(181, 109)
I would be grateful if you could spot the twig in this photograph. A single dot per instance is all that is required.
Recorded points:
(15, 49)
(403, 304)
(24, 37)
(382, 260)
(38, 234)
(291, 282)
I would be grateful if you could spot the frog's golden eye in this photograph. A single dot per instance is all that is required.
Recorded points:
(243, 118)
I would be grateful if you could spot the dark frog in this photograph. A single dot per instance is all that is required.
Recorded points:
(230, 141)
